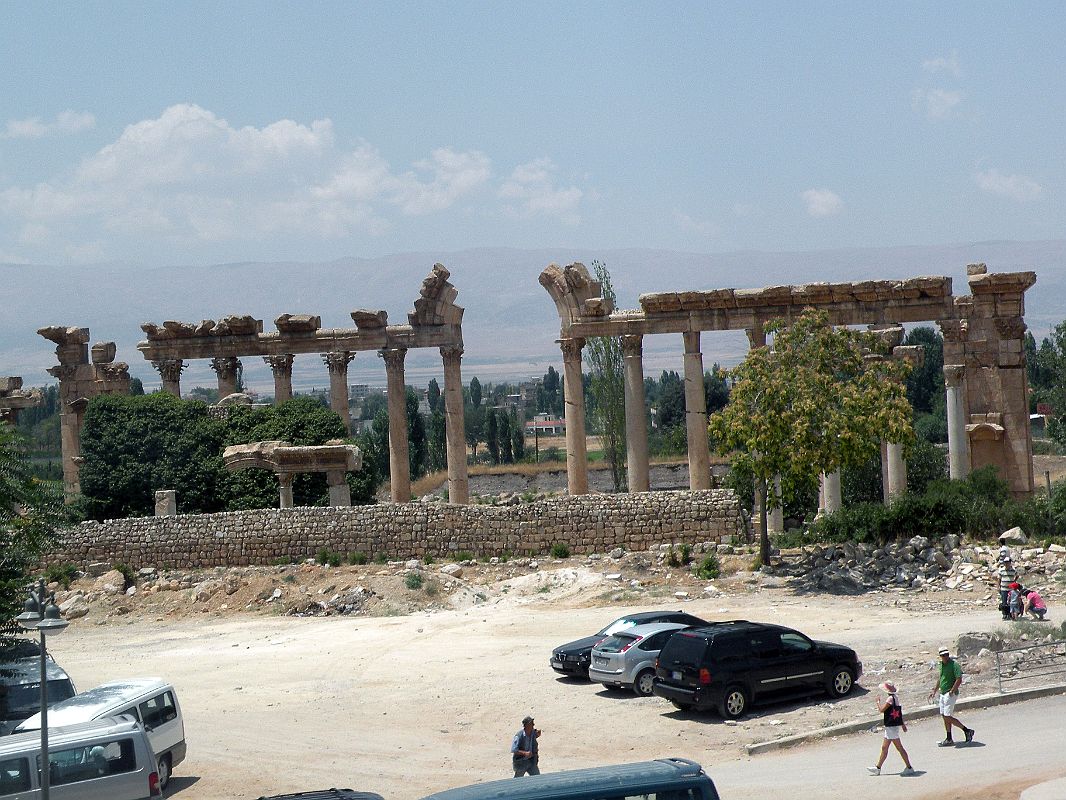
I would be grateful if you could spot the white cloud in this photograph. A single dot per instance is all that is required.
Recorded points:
(1016, 187)
(66, 122)
(190, 176)
(532, 190)
(936, 103)
(949, 64)
(822, 202)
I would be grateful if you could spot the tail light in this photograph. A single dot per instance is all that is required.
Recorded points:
(656, 663)
(705, 676)
(153, 785)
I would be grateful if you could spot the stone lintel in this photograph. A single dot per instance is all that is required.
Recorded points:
(1001, 282)
(298, 323)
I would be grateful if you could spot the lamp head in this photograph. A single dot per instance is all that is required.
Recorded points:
(53, 621)
(31, 614)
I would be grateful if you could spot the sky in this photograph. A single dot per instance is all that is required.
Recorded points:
(202, 133)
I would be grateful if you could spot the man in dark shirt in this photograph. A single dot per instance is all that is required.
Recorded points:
(524, 752)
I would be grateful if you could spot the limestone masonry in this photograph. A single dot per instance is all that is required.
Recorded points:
(585, 523)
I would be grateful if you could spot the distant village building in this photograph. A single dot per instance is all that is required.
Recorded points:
(545, 425)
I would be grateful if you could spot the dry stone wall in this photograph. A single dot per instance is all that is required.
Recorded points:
(586, 524)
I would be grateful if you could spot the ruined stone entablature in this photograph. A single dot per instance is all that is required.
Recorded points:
(335, 458)
(13, 398)
(984, 352)
(297, 323)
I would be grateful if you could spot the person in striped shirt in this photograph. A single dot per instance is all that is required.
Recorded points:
(1007, 575)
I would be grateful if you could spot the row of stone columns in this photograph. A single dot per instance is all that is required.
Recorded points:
(228, 367)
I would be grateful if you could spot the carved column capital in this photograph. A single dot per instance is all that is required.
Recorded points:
(452, 354)
(953, 330)
(692, 342)
(226, 366)
(170, 369)
(632, 346)
(337, 363)
(1009, 327)
(756, 336)
(954, 374)
(393, 357)
(571, 348)
(281, 365)
(63, 372)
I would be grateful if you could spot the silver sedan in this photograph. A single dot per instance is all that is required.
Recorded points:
(627, 659)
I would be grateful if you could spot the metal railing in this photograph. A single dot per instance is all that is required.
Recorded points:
(1031, 666)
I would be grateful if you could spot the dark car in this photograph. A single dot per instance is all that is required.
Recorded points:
(573, 657)
(730, 665)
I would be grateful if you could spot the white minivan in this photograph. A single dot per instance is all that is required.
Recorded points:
(152, 701)
(107, 759)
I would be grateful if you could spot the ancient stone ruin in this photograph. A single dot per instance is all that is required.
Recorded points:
(335, 458)
(13, 398)
(984, 360)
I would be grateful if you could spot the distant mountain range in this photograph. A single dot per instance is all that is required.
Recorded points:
(510, 323)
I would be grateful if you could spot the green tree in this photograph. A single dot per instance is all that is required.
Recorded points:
(811, 402)
(607, 389)
(475, 392)
(438, 442)
(433, 396)
(670, 409)
(492, 433)
(30, 513)
(550, 399)
(518, 438)
(503, 435)
(473, 424)
(417, 449)
(715, 389)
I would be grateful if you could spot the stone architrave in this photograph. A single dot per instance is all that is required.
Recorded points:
(170, 370)
(636, 414)
(13, 399)
(454, 425)
(399, 465)
(699, 454)
(281, 367)
(335, 458)
(337, 364)
(226, 368)
(577, 476)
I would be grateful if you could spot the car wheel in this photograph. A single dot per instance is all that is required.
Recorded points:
(682, 705)
(163, 771)
(734, 703)
(644, 683)
(841, 682)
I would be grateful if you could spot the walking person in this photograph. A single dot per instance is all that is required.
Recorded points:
(525, 754)
(893, 723)
(950, 678)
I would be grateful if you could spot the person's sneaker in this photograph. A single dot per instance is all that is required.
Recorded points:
(908, 771)
(874, 770)
(969, 734)
(946, 743)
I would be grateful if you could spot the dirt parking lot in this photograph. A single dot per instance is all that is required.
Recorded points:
(407, 705)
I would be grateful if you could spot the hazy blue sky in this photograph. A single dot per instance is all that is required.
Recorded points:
(205, 132)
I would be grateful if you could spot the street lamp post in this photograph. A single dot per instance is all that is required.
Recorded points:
(42, 615)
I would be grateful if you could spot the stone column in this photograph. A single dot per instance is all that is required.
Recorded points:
(831, 491)
(636, 414)
(226, 367)
(399, 464)
(776, 518)
(285, 489)
(337, 364)
(281, 366)
(958, 439)
(455, 425)
(339, 493)
(577, 476)
(166, 503)
(897, 470)
(170, 370)
(699, 454)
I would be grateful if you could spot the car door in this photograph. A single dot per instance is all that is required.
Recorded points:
(769, 668)
(159, 715)
(807, 667)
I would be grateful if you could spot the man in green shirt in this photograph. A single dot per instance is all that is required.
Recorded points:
(947, 688)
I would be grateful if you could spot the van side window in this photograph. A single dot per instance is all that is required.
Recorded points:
(91, 761)
(158, 710)
(14, 775)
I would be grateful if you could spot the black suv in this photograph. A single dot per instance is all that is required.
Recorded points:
(730, 665)
(573, 657)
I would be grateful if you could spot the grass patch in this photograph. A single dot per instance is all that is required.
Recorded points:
(464, 555)
(560, 550)
(413, 580)
(357, 558)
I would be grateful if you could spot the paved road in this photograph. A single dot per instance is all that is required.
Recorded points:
(1017, 747)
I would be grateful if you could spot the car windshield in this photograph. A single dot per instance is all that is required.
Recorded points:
(24, 699)
(618, 625)
(616, 643)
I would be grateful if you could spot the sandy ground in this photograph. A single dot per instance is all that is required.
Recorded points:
(407, 705)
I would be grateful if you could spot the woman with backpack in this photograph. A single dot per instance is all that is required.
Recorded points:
(893, 718)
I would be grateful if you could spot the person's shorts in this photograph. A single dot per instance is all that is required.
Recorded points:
(947, 704)
(892, 731)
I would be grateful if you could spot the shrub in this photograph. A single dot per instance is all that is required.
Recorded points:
(381, 558)
(62, 574)
(413, 580)
(431, 588)
(128, 575)
(709, 568)
(327, 557)
(464, 555)
(686, 554)
(671, 557)
(427, 559)
(359, 558)
(560, 550)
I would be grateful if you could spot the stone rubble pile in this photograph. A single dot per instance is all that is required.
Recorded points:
(919, 563)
